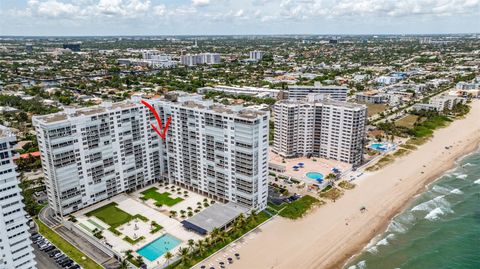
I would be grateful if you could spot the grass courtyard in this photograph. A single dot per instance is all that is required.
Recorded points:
(111, 215)
(160, 198)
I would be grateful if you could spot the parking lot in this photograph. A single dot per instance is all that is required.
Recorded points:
(48, 256)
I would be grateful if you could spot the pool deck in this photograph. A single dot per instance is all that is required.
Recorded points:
(137, 228)
(313, 164)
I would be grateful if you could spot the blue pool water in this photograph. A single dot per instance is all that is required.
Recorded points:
(158, 247)
(378, 146)
(314, 175)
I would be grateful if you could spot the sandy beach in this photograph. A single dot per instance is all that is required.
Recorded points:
(331, 234)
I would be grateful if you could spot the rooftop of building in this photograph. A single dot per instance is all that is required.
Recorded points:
(5, 132)
(180, 98)
(85, 111)
(317, 87)
(295, 102)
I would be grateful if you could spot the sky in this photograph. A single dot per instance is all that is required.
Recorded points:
(237, 17)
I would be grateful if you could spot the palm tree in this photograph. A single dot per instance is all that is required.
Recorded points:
(168, 257)
(214, 234)
(128, 253)
(222, 236)
(191, 245)
(123, 264)
(139, 259)
(183, 254)
(253, 215)
(207, 241)
(200, 246)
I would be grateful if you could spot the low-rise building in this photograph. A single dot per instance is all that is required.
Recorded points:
(371, 97)
(337, 93)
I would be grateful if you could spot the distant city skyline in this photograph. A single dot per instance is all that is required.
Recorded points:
(217, 17)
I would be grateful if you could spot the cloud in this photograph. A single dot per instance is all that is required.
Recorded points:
(403, 8)
(200, 3)
(51, 8)
(249, 15)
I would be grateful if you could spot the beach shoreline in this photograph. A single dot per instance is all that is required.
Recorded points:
(329, 236)
(407, 204)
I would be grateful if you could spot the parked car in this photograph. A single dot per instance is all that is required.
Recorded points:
(53, 253)
(75, 266)
(58, 254)
(45, 245)
(66, 264)
(61, 258)
(49, 248)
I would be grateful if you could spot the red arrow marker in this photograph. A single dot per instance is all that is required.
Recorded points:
(162, 133)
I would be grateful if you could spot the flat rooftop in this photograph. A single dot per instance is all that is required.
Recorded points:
(215, 216)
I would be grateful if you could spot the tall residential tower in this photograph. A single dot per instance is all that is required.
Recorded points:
(320, 127)
(93, 153)
(15, 245)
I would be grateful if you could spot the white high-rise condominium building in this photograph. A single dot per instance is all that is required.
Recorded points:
(94, 153)
(337, 93)
(320, 127)
(202, 58)
(256, 55)
(15, 245)
(219, 151)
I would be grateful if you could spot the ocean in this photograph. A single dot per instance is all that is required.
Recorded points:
(439, 230)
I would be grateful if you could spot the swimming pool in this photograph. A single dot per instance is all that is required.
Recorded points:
(378, 146)
(158, 247)
(314, 175)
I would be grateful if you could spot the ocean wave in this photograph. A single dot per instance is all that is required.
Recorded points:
(456, 191)
(397, 227)
(385, 241)
(442, 190)
(359, 265)
(467, 164)
(429, 205)
(477, 181)
(372, 250)
(435, 214)
(461, 176)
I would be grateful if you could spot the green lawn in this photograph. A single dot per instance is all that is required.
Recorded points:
(111, 215)
(298, 208)
(66, 247)
(162, 198)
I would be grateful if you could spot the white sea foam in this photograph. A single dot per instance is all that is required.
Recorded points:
(462, 176)
(456, 191)
(435, 214)
(359, 265)
(429, 205)
(442, 190)
(467, 164)
(396, 227)
(383, 242)
(477, 181)
(373, 250)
